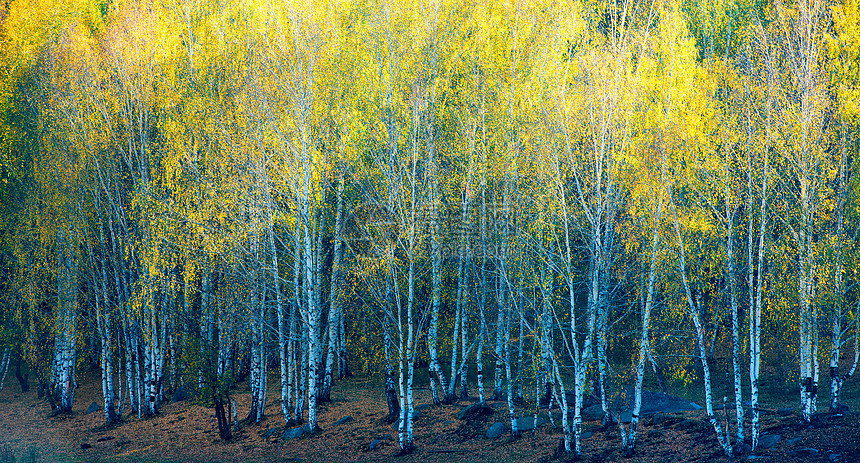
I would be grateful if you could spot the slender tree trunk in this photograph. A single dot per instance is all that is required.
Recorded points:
(733, 307)
(836, 336)
(500, 358)
(259, 354)
(546, 347)
(105, 327)
(629, 440)
(482, 332)
(436, 288)
(279, 305)
(390, 390)
(66, 323)
(693, 310)
(507, 362)
(335, 307)
(459, 311)
(4, 366)
(293, 352)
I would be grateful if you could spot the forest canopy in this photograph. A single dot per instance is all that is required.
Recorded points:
(545, 197)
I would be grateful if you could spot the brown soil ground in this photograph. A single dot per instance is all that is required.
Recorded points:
(187, 431)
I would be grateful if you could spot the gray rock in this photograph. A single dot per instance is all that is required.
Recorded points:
(423, 406)
(343, 420)
(742, 449)
(94, 407)
(180, 394)
(792, 441)
(586, 434)
(767, 441)
(374, 444)
(834, 457)
(474, 411)
(626, 416)
(805, 452)
(784, 411)
(659, 402)
(529, 423)
(292, 433)
(307, 428)
(269, 433)
(495, 430)
(593, 413)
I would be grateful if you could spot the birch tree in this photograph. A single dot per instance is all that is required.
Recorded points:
(801, 28)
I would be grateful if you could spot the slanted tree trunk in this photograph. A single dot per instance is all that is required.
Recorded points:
(693, 311)
(547, 352)
(629, 438)
(225, 430)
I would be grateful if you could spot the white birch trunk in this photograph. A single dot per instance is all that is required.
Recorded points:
(629, 440)
(4, 367)
(258, 321)
(836, 334)
(510, 392)
(65, 354)
(293, 369)
(105, 328)
(335, 306)
(547, 351)
(693, 310)
(733, 307)
(459, 367)
(458, 315)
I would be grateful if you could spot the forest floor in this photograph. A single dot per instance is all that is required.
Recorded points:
(187, 431)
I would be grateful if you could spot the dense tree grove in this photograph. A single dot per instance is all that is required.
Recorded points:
(527, 200)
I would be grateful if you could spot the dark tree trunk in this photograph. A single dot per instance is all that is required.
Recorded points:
(223, 417)
(392, 398)
(22, 379)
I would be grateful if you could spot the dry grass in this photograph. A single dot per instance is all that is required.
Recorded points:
(187, 431)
